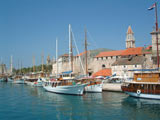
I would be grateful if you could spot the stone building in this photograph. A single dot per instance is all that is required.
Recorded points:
(63, 64)
(155, 37)
(78, 63)
(122, 61)
(125, 60)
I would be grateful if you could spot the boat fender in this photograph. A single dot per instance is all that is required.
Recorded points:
(138, 92)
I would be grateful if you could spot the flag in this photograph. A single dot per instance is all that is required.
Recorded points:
(153, 6)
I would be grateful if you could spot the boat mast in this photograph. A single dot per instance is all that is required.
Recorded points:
(18, 67)
(157, 35)
(42, 69)
(56, 57)
(71, 54)
(70, 49)
(86, 51)
(34, 69)
(21, 67)
(11, 69)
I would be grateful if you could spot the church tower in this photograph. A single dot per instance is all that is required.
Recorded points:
(48, 62)
(130, 40)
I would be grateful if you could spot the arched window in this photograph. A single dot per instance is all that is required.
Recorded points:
(103, 66)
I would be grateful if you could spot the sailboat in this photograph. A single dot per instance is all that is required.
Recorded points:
(64, 86)
(32, 78)
(94, 85)
(18, 79)
(39, 82)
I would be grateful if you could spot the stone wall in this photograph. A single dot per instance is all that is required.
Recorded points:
(154, 43)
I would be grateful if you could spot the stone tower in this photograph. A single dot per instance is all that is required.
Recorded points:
(130, 40)
(48, 62)
(154, 45)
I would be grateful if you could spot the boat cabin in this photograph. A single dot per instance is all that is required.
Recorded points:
(146, 83)
(68, 75)
(146, 77)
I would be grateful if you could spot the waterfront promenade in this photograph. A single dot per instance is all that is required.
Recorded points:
(22, 102)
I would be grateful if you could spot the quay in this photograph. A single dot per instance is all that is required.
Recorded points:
(113, 87)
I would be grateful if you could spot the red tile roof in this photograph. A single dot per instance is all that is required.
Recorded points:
(110, 53)
(133, 51)
(126, 52)
(129, 30)
(103, 72)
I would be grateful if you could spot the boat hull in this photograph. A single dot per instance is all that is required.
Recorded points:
(93, 88)
(20, 81)
(71, 89)
(142, 95)
(3, 80)
(29, 83)
(10, 80)
(38, 84)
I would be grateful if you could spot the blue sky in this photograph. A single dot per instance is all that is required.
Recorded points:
(30, 27)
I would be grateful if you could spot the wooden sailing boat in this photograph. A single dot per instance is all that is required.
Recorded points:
(33, 76)
(18, 79)
(64, 86)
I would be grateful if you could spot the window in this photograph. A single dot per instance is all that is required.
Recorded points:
(103, 66)
(135, 66)
(101, 58)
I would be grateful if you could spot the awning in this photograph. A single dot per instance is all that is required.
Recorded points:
(66, 72)
(144, 70)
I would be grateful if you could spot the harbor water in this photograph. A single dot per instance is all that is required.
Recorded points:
(22, 102)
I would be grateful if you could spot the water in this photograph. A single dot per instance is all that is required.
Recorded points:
(21, 102)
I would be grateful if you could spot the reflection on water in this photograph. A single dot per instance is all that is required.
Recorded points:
(27, 102)
(68, 106)
(141, 108)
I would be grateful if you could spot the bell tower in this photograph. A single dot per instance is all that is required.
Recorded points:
(130, 40)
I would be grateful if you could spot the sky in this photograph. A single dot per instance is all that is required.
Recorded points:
(30, 27)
